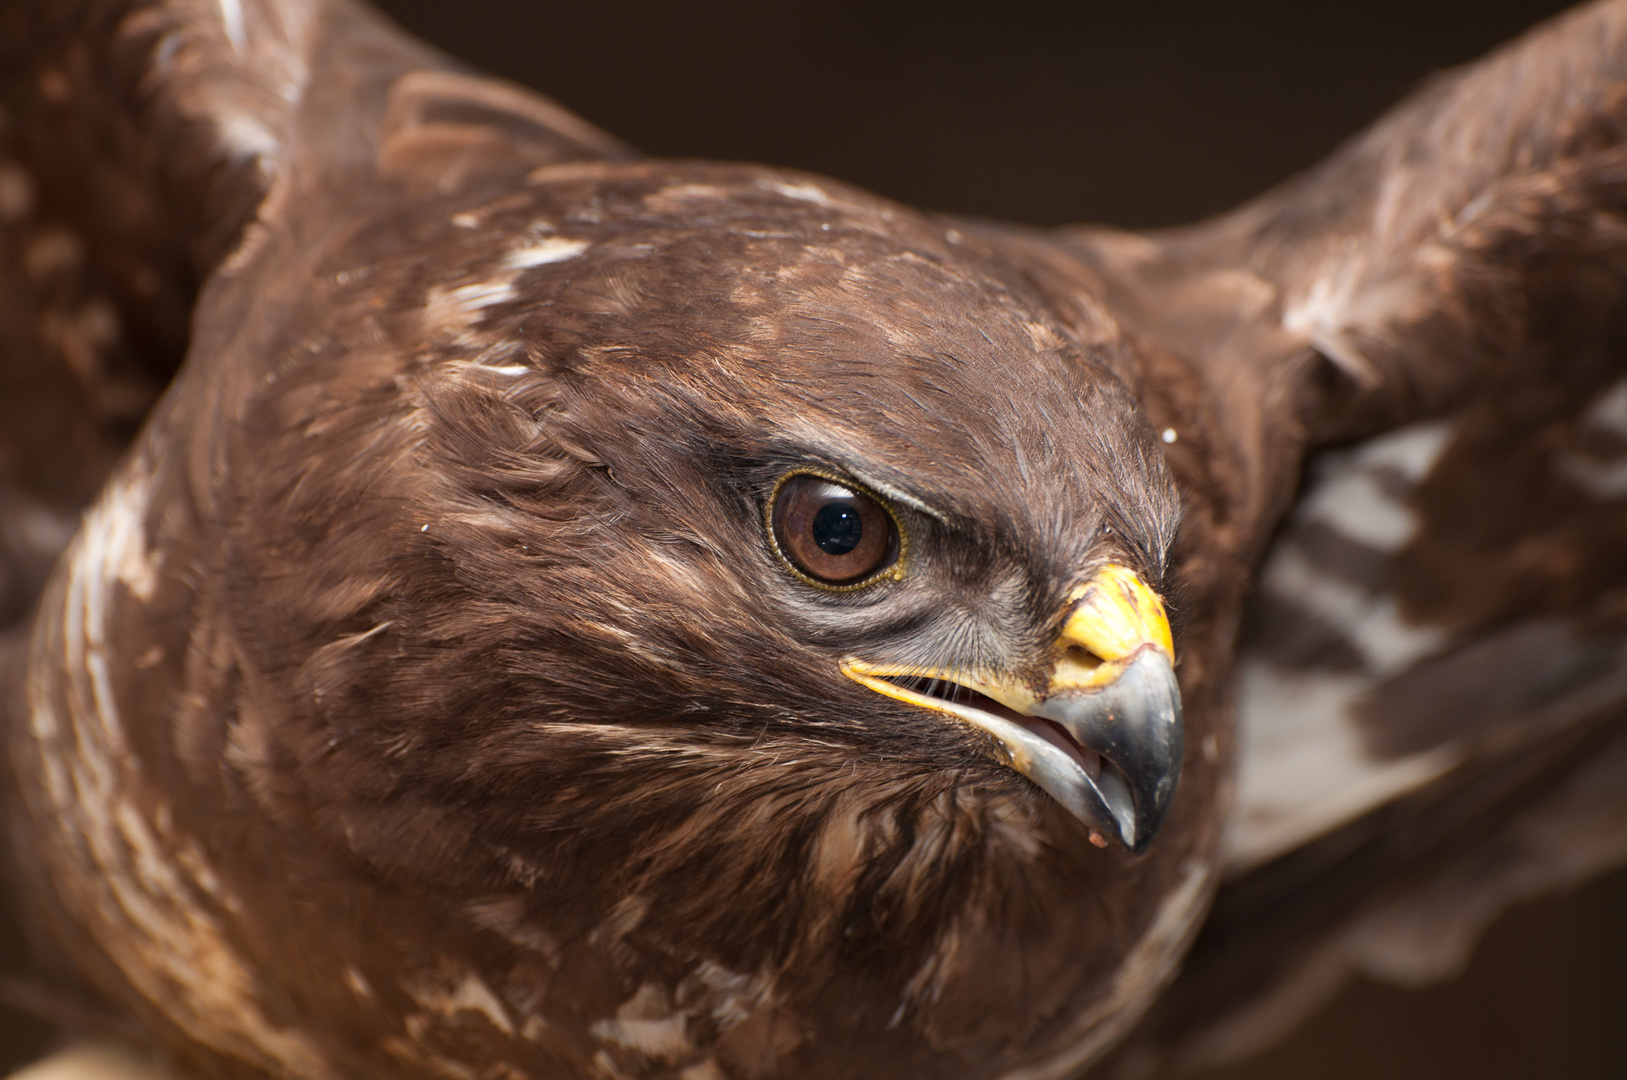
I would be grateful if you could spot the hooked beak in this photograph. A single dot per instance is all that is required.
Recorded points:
(1099, 729)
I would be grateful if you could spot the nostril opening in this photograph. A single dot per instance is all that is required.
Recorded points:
(1076, 665)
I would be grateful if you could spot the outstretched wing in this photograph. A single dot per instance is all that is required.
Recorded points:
(144, 146)
(1432, 674)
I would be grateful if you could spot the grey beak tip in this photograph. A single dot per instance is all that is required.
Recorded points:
(1135, 724)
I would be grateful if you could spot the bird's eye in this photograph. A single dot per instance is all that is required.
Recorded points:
(830, 533)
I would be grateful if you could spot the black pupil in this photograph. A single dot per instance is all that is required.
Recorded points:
(837, 528)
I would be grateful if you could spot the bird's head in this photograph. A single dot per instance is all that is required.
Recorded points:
(732, 548)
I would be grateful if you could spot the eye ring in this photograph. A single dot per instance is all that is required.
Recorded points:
(847, 514)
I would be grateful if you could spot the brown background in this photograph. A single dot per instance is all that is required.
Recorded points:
(1045, 112)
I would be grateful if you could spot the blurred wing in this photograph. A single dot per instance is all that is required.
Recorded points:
(1432, 672)
(1431, 680)
(145, 145)
(1432, 709)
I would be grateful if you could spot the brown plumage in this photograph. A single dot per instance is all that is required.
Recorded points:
(428, 692)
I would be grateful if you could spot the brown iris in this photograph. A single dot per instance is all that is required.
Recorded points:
(831, 533)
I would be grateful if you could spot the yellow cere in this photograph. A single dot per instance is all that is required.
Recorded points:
(1114, 614)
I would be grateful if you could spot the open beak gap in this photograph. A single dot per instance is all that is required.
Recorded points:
(1102, 734)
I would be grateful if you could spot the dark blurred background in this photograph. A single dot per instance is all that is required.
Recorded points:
(1133, 114)
(1042, 111)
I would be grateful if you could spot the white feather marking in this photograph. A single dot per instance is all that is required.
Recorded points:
(124, 514)
(1354, 505)
(1349, 499)
(1321, 313)
(1392, 191)
(508, 916)
(458, 309)
(358, 983)
(1411, 451)
(801, 192)
(466, 369)
(691, 191)
(1302, 768)
(703, 1070)
(482, 294)
(1609, 410)
(663, 1039)
(473, 995)
(94, 1062)
(647, 1023)
(1605, 480)
(246, 136)
(553, 249)
(231, 18)
(124, 874)
(469, 995)
(249, 104)
(730, 996)
(165, 51)
(1371, 622)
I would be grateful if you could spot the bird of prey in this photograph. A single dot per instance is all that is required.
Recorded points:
(568, 614)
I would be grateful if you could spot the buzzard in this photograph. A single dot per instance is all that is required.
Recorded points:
(572, 614)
